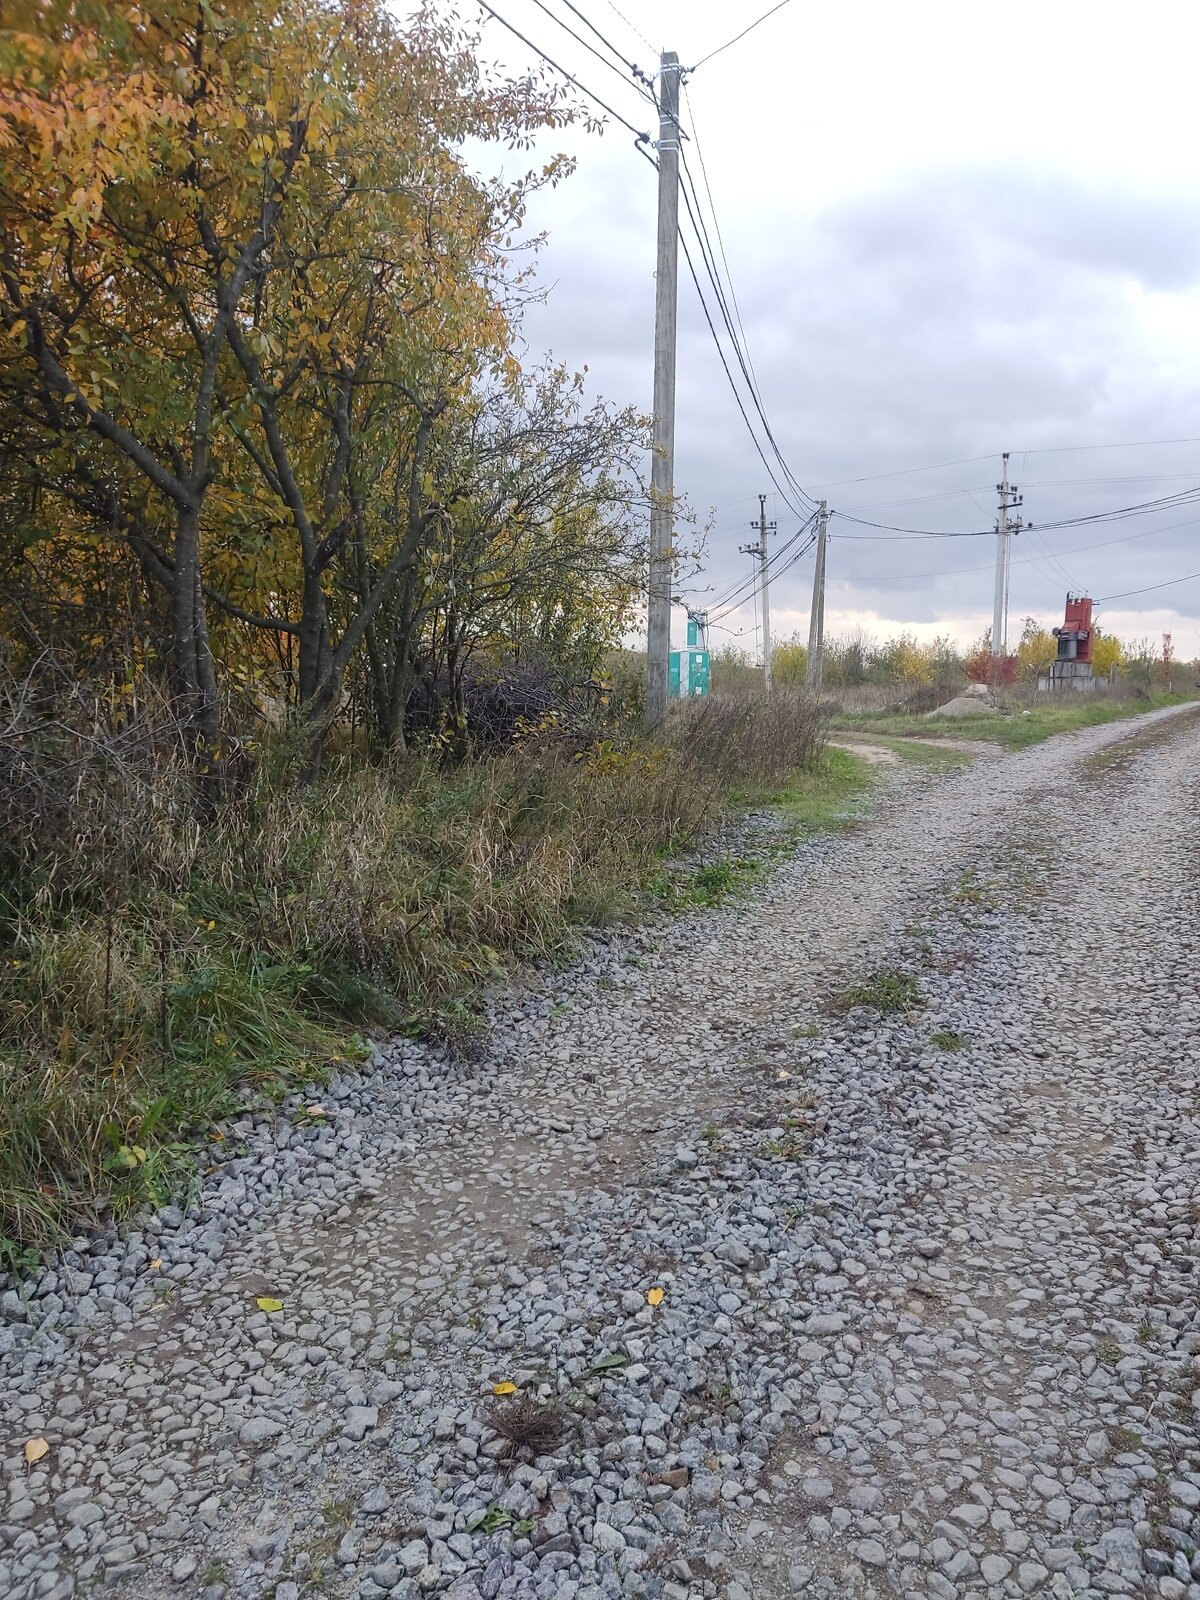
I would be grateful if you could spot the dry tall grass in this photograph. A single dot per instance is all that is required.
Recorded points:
(154, 963)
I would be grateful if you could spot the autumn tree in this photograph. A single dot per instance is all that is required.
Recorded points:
(535, 546)
(1035, 652)
(244, 272)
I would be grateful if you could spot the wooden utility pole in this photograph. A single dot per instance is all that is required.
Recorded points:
(662, 469)
(816, 621)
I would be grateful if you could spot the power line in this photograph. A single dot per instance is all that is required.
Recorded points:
(738, 596)
(642, 138)
(705, 248)
(1168, 502)
(729, 375)
(965, 461)
(602, 59)
(1077, 549)
(696, 216)
(741, 35)
(588, 23)
(632, 26)
(1149, 589)
(712, 206)
(776, 567)
(1125, 444)
(742, 585)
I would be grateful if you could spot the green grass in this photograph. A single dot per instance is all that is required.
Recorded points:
(820, 799)
(948, 1041)
(1013, 728)
(886, 992)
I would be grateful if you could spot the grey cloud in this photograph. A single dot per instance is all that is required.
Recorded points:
(959, 314)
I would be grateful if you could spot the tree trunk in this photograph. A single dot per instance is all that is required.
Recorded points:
(193, 671)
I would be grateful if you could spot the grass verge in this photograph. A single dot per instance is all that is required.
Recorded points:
(159, 967)
(817, 798)
(1013, 727)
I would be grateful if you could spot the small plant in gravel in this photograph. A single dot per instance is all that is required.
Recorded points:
(887, 992)
(529, 1427)
(1147, 1333)
(789, 1145)
(947, 1040)
(1108, 1351)
(1125, 1439)
(19, 1261)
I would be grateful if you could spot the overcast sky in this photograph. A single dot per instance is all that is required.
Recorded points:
(953, 230)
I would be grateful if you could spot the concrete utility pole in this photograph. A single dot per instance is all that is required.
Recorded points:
(816, 621)
(662, 469)
(759, 552)
(1005, 526)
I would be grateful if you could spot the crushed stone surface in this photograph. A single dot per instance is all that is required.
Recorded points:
(928, 1320)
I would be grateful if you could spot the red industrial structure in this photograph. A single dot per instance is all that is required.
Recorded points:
(1073, 667)
(1075, 635)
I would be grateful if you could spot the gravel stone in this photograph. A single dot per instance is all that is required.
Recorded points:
(928, 1322)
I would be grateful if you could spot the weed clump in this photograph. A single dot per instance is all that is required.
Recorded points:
(949, 1041)
(528, 1426)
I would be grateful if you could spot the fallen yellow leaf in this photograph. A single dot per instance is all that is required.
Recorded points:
(315, 1111)
(656, 1296)
(504, 1388)
(266, 1302)
(155, 1264)
(35, 1449)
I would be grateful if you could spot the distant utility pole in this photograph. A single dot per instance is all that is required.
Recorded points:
(662, 469)
(816, 622)
(759, 552)
(1005, 526)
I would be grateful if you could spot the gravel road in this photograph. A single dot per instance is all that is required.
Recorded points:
(823, 1301)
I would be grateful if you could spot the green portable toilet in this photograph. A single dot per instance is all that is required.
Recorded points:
(688, 674)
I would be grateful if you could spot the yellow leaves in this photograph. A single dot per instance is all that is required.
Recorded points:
(155, 1263)
(35, 1449)
(504, 1388)
(269, 1304)
(655, 1296)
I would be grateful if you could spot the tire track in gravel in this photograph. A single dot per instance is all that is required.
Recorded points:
(196, 1439)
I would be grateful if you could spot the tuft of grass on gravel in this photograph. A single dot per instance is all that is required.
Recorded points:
(887, 992)
(949, 1041)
